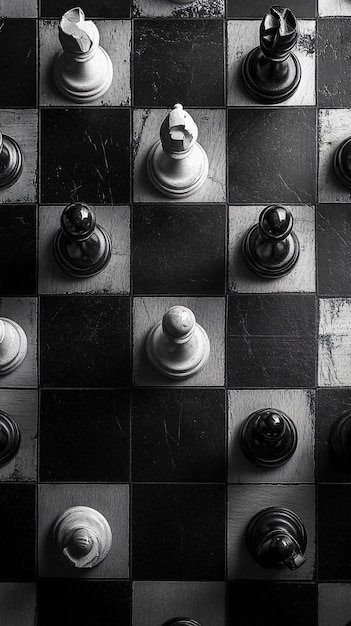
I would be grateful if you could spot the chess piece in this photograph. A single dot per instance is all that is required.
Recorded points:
(271, 72)
(342, 163)
(341, 439)
(83, 69)
(178, 346)
(276, 537)
(82, 248)
(270, 248)
(177, 165)
(10, 438)
(181, 621)
(11, 161)
(268, 437)
(13, 345)
(82, 537)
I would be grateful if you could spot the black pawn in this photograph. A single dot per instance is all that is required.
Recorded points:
(82, 248)
(270, 248)
(271, 73)
(268, 437)
(342, 163)
(10, 438)
(11, 161)
(341, 439)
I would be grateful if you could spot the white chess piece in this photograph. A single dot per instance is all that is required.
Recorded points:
(177, 345)
(177, 164)
(83, 69)
(13, 345)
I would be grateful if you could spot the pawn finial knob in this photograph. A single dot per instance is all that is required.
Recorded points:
(13, 345)
(11, 161)
(83, 69)
(82, 537)
(271, 73)
(177, 164)
(177, 345)
(82, 248)
(271, 248)
(268, 437)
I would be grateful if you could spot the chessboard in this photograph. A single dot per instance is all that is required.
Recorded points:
(160, 458)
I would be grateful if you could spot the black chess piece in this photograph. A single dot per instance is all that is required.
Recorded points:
(276, 537)
(181, 621)
(10, 438)
(341, 439)
(271, 73)
(82, 248)
(270, 248)
(342, 163)
(268, 437)
(11, 161)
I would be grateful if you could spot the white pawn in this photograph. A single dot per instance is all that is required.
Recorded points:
(83, 69)
(13, 345)
(177, 345)
(177, 165)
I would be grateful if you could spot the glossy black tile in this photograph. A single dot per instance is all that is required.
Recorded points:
(272, 155)
(331, 405)
(84, 341)
(271, 340)
(272, 604)
(93, 603)
(18, 250)
(179, 61)
(255, 8)
(17, 514)
(334, 50)
(84, 436)
(91, 8)
(160, 232)
(18, 69)
(178, 435)
(178, 532)
(334, 520)
(85, 155)
(334, 254)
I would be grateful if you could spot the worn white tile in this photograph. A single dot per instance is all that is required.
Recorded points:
(334, 7)
(334, 128)
(334, 343)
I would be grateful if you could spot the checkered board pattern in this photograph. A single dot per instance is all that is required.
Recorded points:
(160, 459)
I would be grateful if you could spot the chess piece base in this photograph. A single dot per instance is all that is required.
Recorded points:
(268, 81)
(10, 438)
(79, 271)
(342, 163)
(177, 360)
(341, 439)
(181, 621)
(254, 263)
(16, 340)
(79, 82)
(266, 456)
(177, 177)
(11, 162)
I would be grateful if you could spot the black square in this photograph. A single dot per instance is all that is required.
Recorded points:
(334, 252)
(271, 340)
(85, 155)
(178, 532)
(272, 155)
(334, 51)
(84, 435)
(18, 58)
(93, 603)
(274, 603)
(331, 405)
(91, 8)
(178, 61)
(178, 435)
(179, 249)
(18, 250)
(85, 341)
(257, 8)
(334, 520)
(17, 514)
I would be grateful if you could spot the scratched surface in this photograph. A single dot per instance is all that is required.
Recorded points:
(100, 427)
